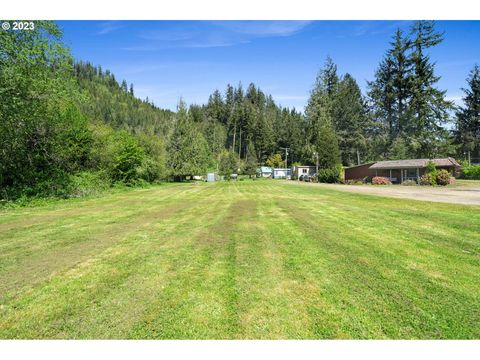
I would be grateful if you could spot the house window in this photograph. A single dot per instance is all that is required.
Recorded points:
(410, 173)
(304, 171)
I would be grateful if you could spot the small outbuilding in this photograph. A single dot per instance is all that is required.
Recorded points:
(211, 177)
(265, 172)
(282, 173)
(304, 170)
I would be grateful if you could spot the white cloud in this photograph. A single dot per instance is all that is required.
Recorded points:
(209, 34)
(265, 28)
(108, 27)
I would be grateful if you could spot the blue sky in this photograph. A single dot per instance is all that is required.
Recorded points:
(166, 60)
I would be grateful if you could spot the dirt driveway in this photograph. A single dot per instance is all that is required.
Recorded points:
(468, 194)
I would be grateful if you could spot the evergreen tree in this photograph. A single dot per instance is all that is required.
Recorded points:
(187, 150)
(382, 99)
(404, 100)
(427, 106)
(251, 164)
(289, 133)
(215, 107)
(131, 90)
(467, 132)
(317, 112)
(402, 66)
(390, 93)
(328, 78)
(350, 120)
(327, 146)
(124, 86)
(324, 90)
(321, 136)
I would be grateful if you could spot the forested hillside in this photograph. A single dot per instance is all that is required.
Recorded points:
(115, 104)
(71, 128)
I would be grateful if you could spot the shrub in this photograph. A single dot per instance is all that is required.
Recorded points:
(443, 177)
(471, 172)
(409, 183)
(354, 182)
(432, 171)
(128, 160)
(87, 183)
(380, 180)
(427, 179)
(431, 167)
(331, 176)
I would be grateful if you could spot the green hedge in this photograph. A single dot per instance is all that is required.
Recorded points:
(471, 172)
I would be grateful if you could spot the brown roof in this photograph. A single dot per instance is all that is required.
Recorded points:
(414, 163)
(355, 166)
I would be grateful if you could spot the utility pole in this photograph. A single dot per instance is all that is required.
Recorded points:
(358, 157)
(286, 156)
(469, 159)
(316, 163)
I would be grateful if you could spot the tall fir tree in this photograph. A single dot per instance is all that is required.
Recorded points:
(328, 77)
(428, 107)
(389, 94)
(402, 66)
(321, 137)
(326, 146)
(350, 120)
(124, 86)
(250, 160)
(382, 101)
(467, 131)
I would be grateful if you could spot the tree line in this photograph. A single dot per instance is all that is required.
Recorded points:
(71, 127)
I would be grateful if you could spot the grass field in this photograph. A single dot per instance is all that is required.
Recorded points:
(252, 259)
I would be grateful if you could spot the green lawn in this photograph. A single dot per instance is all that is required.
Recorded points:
(251, 259)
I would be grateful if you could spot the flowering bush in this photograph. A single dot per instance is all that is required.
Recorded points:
(380, 180)
(427, 179)
(443, 177)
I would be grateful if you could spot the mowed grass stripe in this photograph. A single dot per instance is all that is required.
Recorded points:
(199, 300)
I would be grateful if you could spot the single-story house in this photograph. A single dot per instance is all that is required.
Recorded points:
(303, 170)
(400, 170)
(282, 173)
(265, 172)
(358, 172)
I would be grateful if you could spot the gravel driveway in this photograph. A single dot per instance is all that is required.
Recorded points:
(465, 194)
